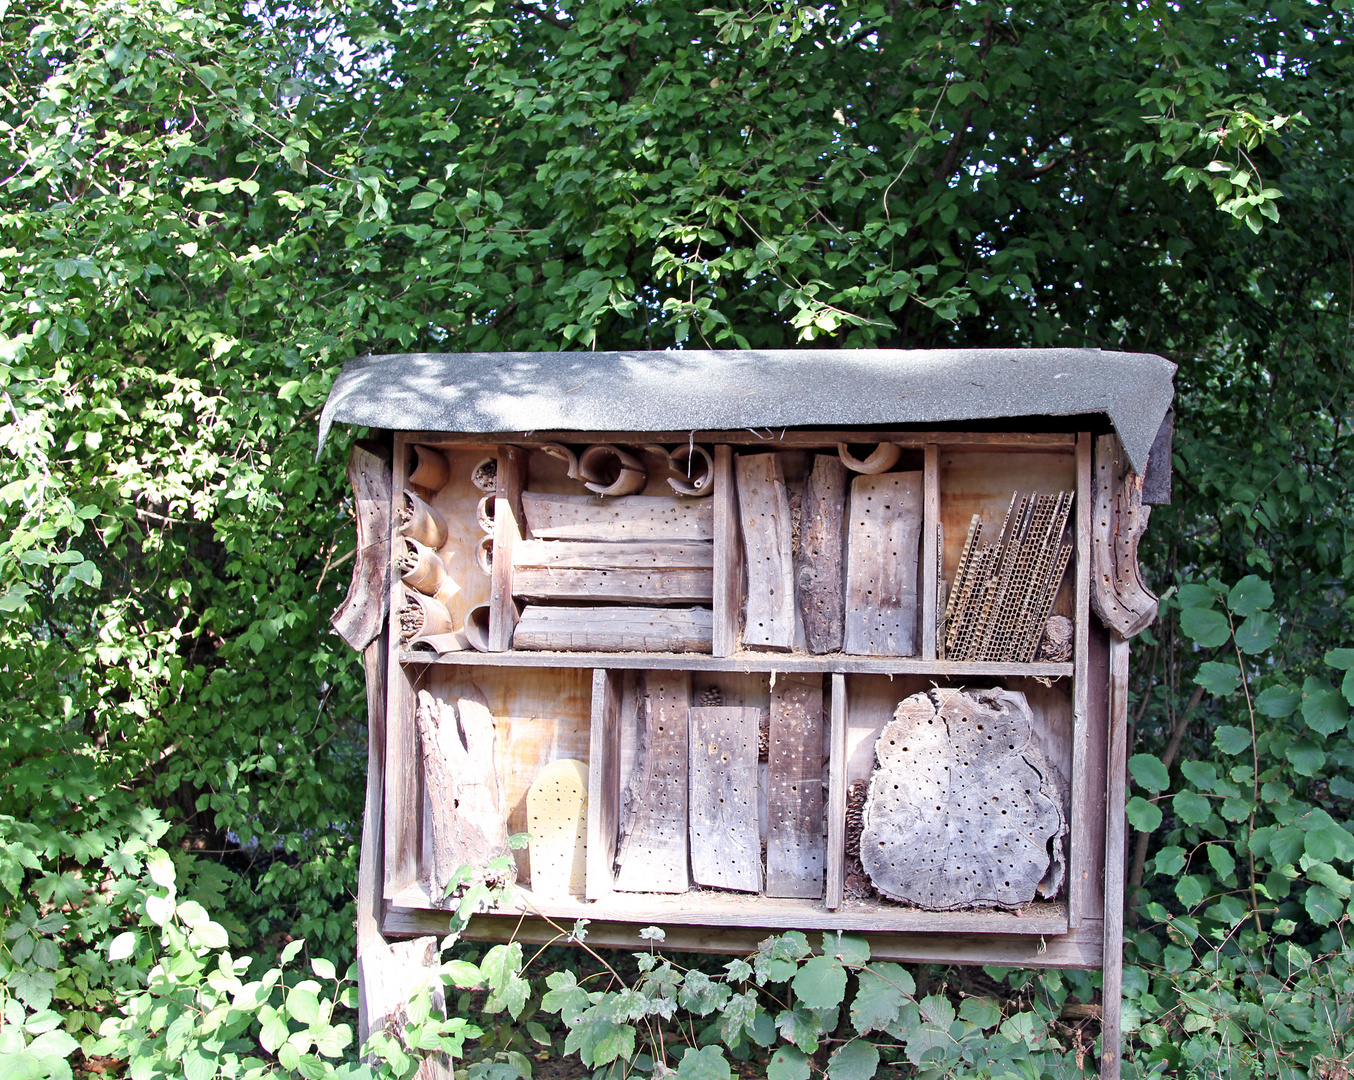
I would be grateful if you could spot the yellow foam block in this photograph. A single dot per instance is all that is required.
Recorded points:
(557, 819)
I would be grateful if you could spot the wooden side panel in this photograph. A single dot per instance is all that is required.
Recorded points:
(884, 527)
(836, 794)
(725, 839)
(1112, 997)
(818, 561)
(930, 570)
(652, 849)
(1087, 853)
(764, 513)
(1081, 673)
(603, 782)
(512, 477)
(795, 844)
(728, 590)
(370, 855)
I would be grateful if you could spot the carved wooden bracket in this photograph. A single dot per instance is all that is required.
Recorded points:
(359, 618)
(1119, 519)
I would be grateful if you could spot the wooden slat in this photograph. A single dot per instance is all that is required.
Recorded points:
(768, 438)
(512, 478)
(614, 629)
(604, 770)
(630, 517)
(764, 514)
(930, 569)
(725, 842)
(728, 547)
(819, 583)
(836, 794)
(1112, 998)
(614, 555)
(369, 861)
(795, 845)
(652, 854)
(1080, 659)
(884, 527)
(623, 586)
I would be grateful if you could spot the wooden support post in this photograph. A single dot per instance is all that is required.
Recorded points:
(370, 854)
(728, 600)
(1076, 859)
(794, 797)
(930, 548)
(1112, 996)
(836, 795)
(511, 480)
(604, 781)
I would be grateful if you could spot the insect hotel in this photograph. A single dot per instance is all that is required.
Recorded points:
(755, 641)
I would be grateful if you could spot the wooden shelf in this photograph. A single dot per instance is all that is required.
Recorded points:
(711, 908)
(744, 662)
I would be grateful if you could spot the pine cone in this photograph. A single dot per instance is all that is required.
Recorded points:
(712, 697)
(855, 814)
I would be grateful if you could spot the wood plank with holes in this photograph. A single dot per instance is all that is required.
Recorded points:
(764, 515)
(836, 794)
(818, 561)
(725, 841)
(614, 555)
(930, 546)
(651, 855)
(615, 629)
(728, 589)
(796, 847)
(629, 517)
(650, 586)
(604, 772)
(884, 519)
(511, 479)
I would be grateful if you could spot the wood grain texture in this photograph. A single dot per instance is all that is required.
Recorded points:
(764, 515)
(510, 481)
(819, 581)
(403, 784)
(630, 517)
(1116, 772)
(836, 794)
(826, 439)
(884, 519)
(1118, 594)
(604, 771)
(393, 974)
(370, 853)
(796, 847)
(615, 629)
(930, 541)
(557, 807)
(728, 600)
(651, 854)
(359, 618)
(1080, 679)
(725, 841)
(614, 555)
(651, 586)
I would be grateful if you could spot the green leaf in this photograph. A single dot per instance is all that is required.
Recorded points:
(856, 1060)
(1191, 807)
(422, 200)
(1249, 595)
(1231, 739)
(880, 993)
(1189, 890)
(1340, 658)
(1170, 861)
(1323, 707)
(787, 1063)
(1322, 905)
(707, 1063)
(122, 946)
(1205, 626)
(851, 949)
(1257, 633)
(1222, 861)
(1201, 774)
(1328, 842)
(1194, 595)
(1143, 815)
(1306, 757)
(1149, 772)
(332, 1040)
(1217, 678)
(323, 968)
(982, 1011)
(290, 950)
(1277, 701)
(820, 983)
(198, 1065)
(303, 1005)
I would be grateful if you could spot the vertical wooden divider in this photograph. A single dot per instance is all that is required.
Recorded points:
(930, 539)
(604, 781)
(1077, 857)
(403, 798)
(836, 795)
(1112, 996)
(728, 599)
(512, 479)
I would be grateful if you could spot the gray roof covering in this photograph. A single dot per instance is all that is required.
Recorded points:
(711, 391)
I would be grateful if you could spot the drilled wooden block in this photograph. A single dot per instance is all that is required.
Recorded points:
(764, 512)
(725, 842)
(795, 841)
(883, 532)
(557, 816)
(651, 855)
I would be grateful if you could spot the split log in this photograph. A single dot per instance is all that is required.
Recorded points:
(795, 843)
(819, 580)
(610, 471)
(468, 816)
(883, 536)
(884, 457)
(626, 586)
(430, 469)
(615, 629)
(651, 852)
(963, 810)
(359, 618)
(557, 821)
(726, 849)
(631, 517)
(614, 555)
(1118, 594)
(764, 512)
(420, 521)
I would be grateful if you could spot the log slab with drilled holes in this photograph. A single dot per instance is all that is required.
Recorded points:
(764, 512)
(615, 629)
(818, 562)
(883, 531)
(630, 517)
(651, 855)
(725, 842)
(795, 842)
(654, 586)
(613, 555)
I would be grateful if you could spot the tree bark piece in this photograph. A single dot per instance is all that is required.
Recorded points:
(615, 629)
(652, 851)
(884, 523)
(557, 805)
(764, 512)
(819, 580)
(1118, 594)
(795, 842)
(359, 618)
(725, 840)
(469, 820)
(963, 809)
(631, 517)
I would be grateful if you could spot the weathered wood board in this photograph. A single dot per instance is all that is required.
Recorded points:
(615, 629)
(614, 555)
(510, 478)
(557, 807)
(883, 533)
(764, 513)
(358, 619)
(630, 517)
(728, 604)
(795, 840)
(651, 855)
(725, 841)
(818, 560)
(626, 586)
